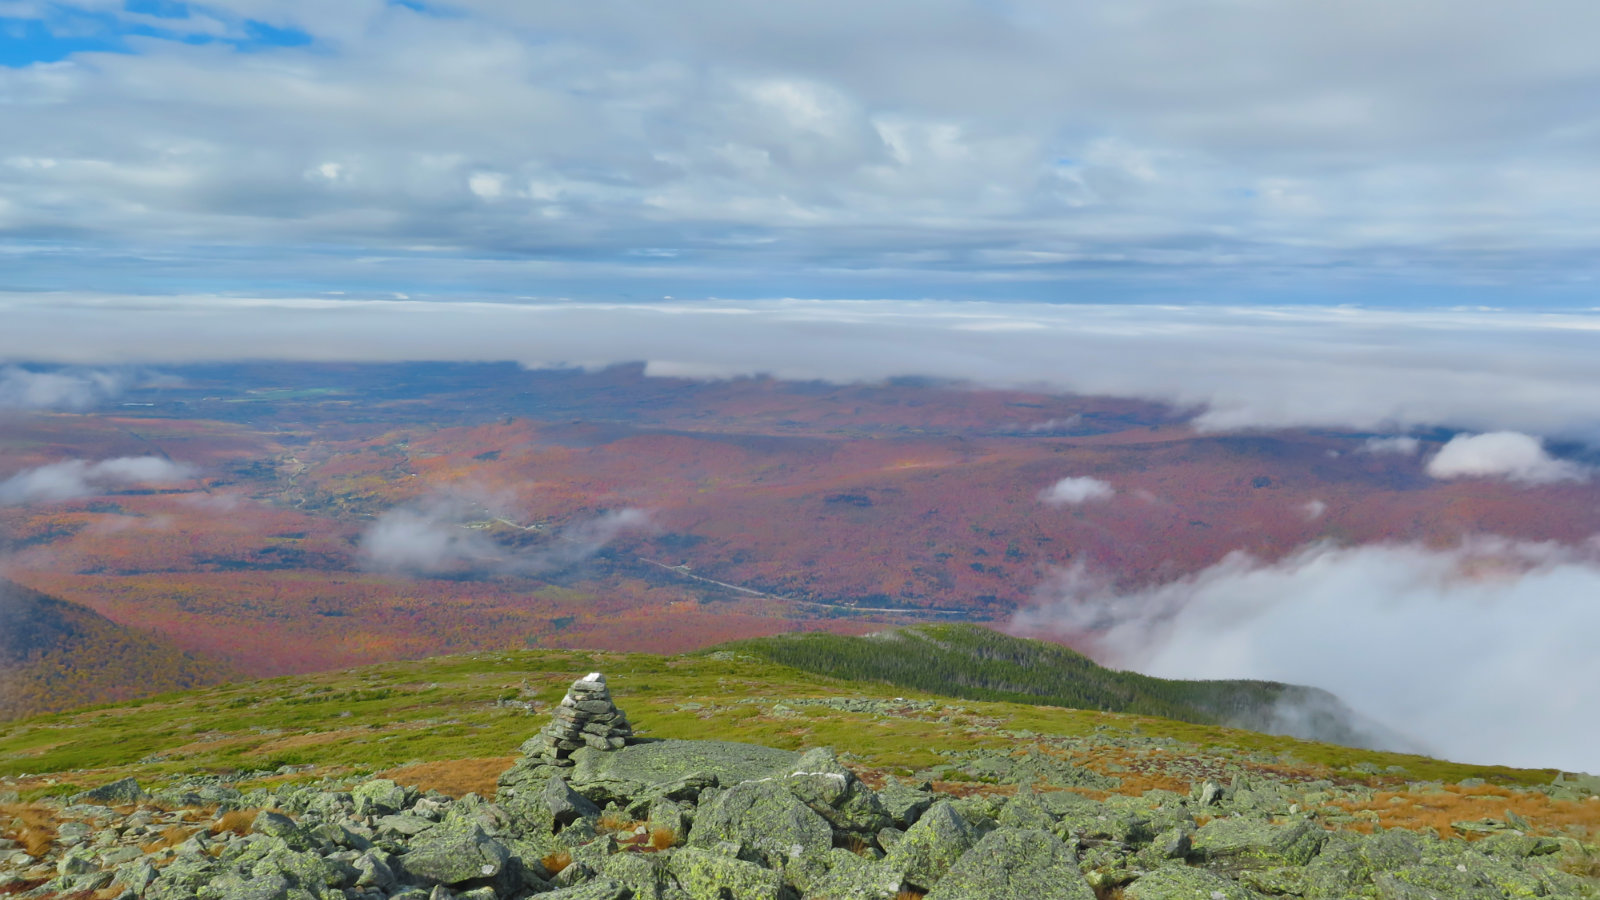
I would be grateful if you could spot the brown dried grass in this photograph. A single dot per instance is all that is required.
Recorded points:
(32, 826)
(555, 862)
(617, 824)
(1453, 803)
(455, 777)
(855, 843)
(663, 838)
(237, 821)
(169, 837)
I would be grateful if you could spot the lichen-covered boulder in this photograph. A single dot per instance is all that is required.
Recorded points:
(284, 829)
(645, 875)
(770, 823)
(904, 803)
(378, 797)
(1014, 864)
(1184, 883)
(1242, 842)
(597, 889)
(833, 792)
(705, 875)
(118, 793)
(452, 854)
(931, 846)
(676, 769)
(1025, 811)
(855, 877)
(550, 807)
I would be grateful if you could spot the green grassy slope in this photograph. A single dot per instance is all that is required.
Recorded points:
(466, 707)
(977, 663)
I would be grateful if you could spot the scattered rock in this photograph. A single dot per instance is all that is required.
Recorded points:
(756, 823)
(117, 793)
(1014, 864)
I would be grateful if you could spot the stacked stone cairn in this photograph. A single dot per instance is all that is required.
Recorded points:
(586, 718)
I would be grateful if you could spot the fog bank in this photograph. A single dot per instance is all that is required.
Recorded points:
(1482, 653)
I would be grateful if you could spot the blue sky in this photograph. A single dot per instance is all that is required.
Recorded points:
(1412, 153)
(51, 32)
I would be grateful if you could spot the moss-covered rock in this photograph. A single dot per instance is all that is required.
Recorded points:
(1014, 864)
(678, 769)
(931, 846)
(454, 854)
(833, 792)
(704, 875)
(1241, 842)
(771, 824)
(1184, 883)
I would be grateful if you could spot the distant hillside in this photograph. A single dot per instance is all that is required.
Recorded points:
(976, 663)
(55, 655)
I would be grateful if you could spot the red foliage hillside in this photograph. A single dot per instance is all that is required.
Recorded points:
(771, 506)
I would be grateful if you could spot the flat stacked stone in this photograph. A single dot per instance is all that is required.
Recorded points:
(585, 718)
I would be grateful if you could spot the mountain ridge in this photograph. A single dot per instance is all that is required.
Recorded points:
(973, 662)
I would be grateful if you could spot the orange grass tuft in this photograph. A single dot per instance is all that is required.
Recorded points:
(1453, 803)
(617, 823)
(662, 838)
(34, 827)
(170, 837)
(237, 821)
(455, 777)
(555, 862)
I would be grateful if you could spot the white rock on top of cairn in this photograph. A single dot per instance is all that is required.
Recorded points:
(585, 718)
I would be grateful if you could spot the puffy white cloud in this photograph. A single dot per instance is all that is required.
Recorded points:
(76, 478)
(449, 532)
(1314, 509)
(932, 143)
(1484, 653)
(1502, 454)
(1076, 491)
(428, 537)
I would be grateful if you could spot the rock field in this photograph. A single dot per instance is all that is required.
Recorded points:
(591, 812)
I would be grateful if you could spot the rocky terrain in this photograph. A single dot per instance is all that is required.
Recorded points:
(589, 811)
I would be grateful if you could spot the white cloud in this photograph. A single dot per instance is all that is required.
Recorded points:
(1076, 491)
(1502, 454)
(70, 390)
(448, 532)
(1238, 367)
(1399, 445)
(1484, 652)
(429, 537)
(1026, 141)
(1314, 509)
(76, 478)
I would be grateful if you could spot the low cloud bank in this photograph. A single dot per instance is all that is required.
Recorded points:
(1076, 491)
(1482, 653)
(1384, 371)
(449, 534)
(75, 478)
(1502, 454)
(73, 389)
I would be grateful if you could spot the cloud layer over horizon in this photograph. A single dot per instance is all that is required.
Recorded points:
(1148, 148)
(1237, 367)
(1482, 653)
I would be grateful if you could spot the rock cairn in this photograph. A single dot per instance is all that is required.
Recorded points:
(586, 718)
